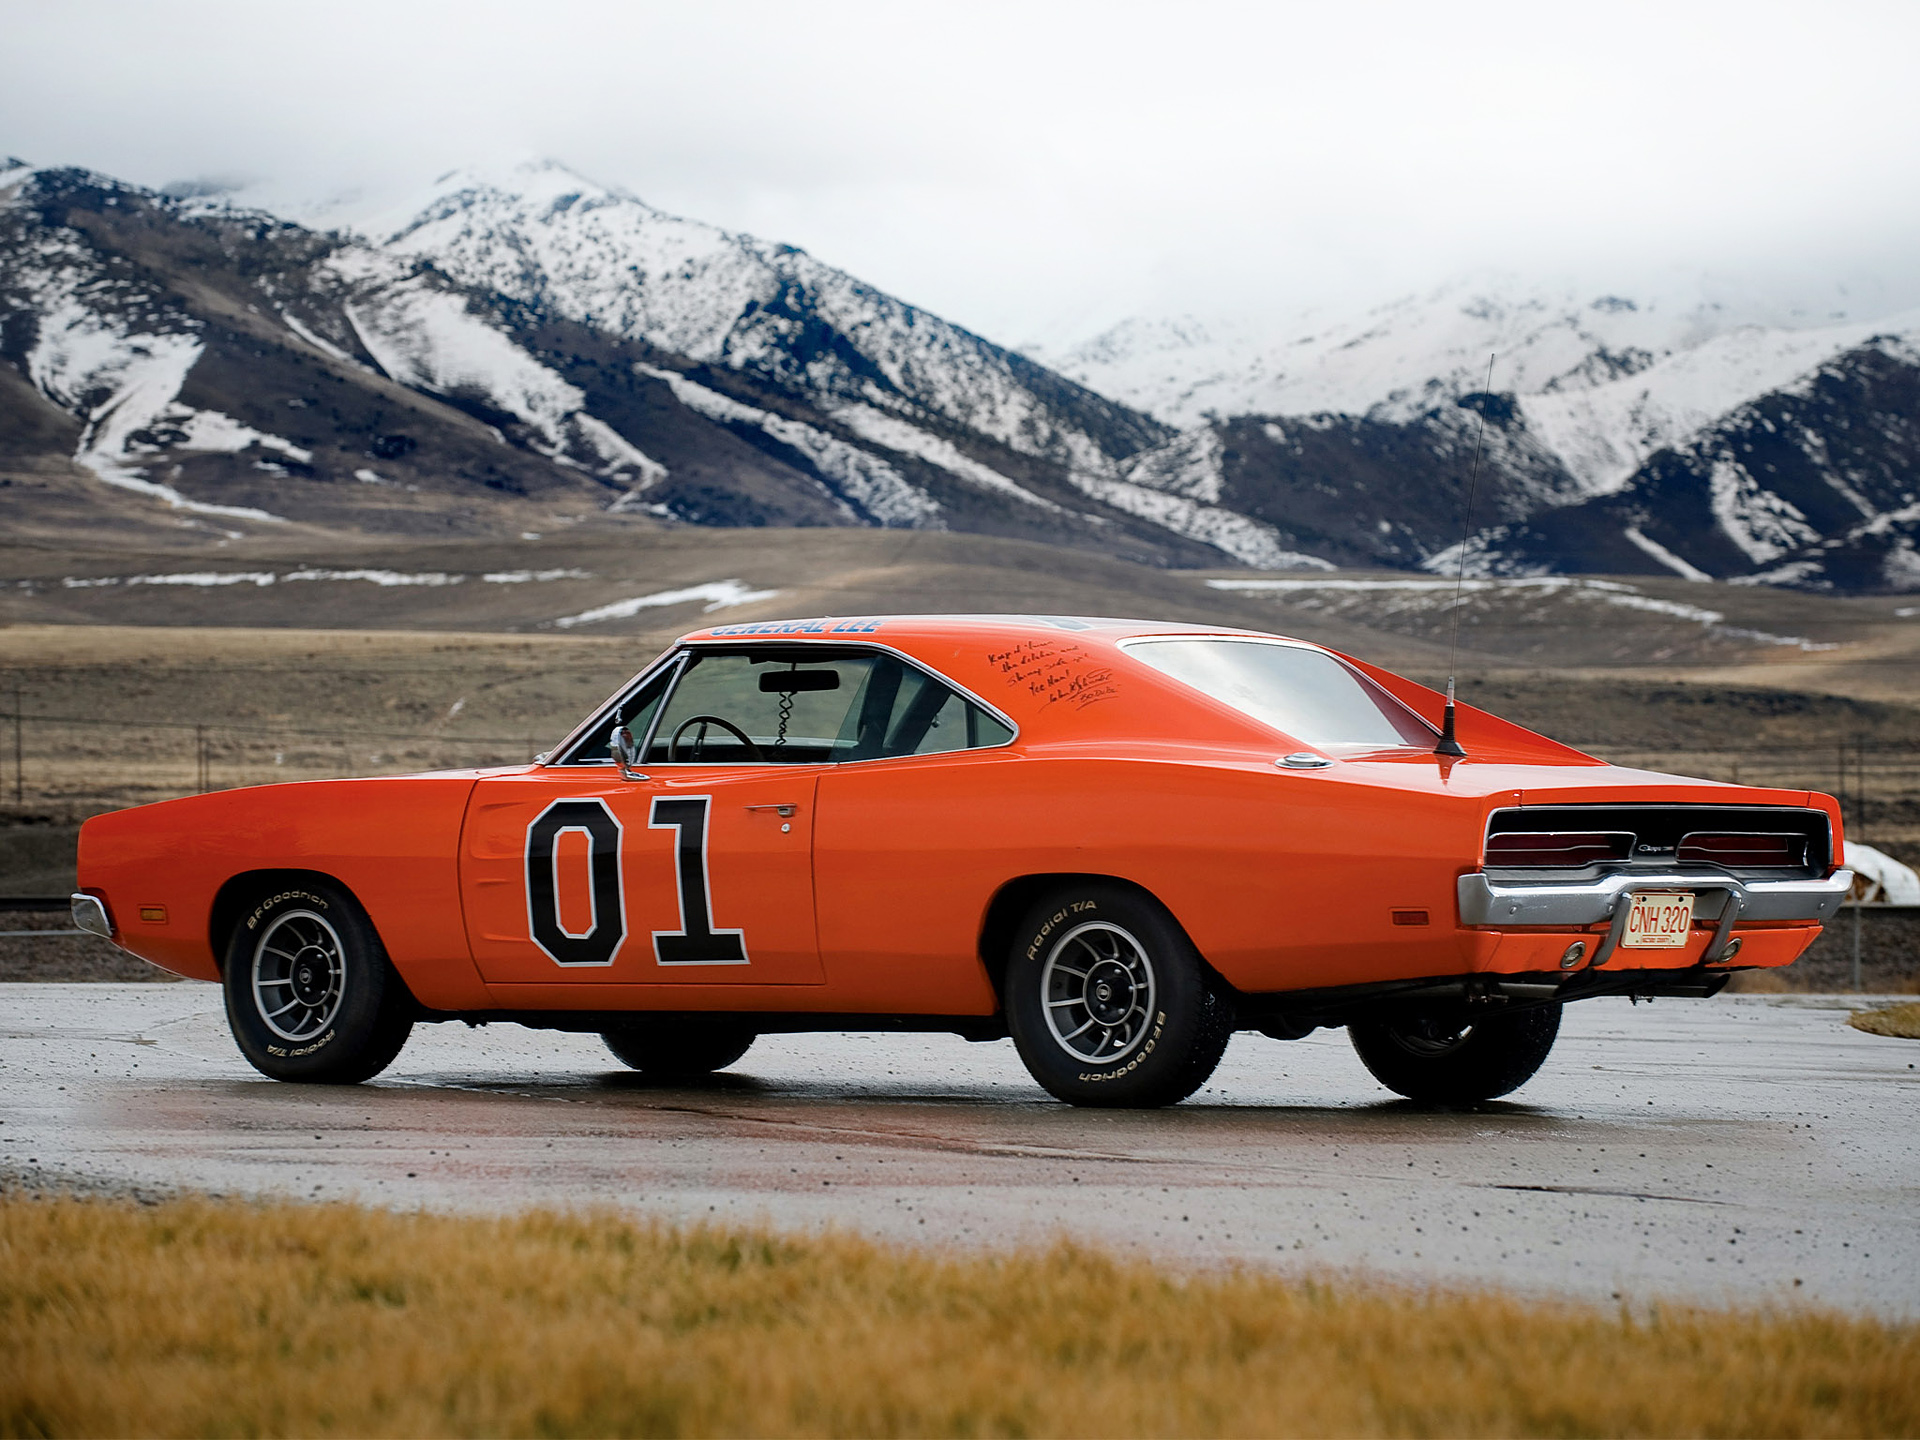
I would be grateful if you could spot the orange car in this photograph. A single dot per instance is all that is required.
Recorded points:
(1117, 841)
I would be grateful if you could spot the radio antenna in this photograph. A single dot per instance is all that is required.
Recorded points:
(1449, 744)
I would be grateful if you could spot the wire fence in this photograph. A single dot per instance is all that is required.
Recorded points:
(74, 757)
(77, 758)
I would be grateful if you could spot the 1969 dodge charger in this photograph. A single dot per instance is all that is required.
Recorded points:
(1117, 841)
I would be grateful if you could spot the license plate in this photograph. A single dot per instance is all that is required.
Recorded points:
(1658, 922)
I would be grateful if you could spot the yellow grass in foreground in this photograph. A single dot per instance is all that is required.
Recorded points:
(1902, 1021)
(207, 1318)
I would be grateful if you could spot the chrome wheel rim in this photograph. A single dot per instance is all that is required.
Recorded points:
(1098, 991)
(299, 975)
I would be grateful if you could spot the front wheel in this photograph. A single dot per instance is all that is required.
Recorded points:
(679, 1049)
(1110, 1004)
(1451, 1056)
(311, 995)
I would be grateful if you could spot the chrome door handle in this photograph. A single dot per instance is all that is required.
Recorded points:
(780, 810)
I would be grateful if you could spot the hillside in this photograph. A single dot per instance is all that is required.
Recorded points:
(245, 373)
(526, 352)
(1619, 432)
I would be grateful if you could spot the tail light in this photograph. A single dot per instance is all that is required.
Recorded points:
(1739, 848)
(1556, 849)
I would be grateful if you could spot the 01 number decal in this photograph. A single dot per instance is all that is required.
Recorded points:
(696, 942)
(600, 941)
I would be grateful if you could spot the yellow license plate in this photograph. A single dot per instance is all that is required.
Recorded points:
(1658, 922)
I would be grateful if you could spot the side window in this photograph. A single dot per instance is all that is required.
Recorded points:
(801, 707)
(636, 711)
(905, 711)
(759, 708)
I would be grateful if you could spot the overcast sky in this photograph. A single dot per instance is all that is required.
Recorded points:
(1034, 170)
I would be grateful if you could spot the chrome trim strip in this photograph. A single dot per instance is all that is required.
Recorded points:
(90, 914)
(1482, 902)
(563, 753)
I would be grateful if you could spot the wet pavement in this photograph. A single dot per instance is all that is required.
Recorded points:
(1741, 1149)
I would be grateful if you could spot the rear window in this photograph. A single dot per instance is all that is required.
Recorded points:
(1301, 692)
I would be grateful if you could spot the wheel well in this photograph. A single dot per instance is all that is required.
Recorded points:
(242, 890)
(1014, 898)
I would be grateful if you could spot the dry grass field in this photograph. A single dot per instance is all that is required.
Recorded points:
(1900, 1021)
(197, 1317)
(144, 672)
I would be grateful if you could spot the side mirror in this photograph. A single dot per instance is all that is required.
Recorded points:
(626, 752)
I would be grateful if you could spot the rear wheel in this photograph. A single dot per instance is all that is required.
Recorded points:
(1452, 1056)
(311, 995)
(1110, 1004)
(679, 1049)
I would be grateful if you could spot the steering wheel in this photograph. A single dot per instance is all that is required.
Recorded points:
(673, 741)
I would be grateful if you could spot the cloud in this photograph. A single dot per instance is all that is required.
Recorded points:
(1032, 170)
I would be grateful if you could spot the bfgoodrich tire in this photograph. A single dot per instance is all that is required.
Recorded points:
(1454, 1057)
(1109, 1003)
(311, 995)
(679, 1049)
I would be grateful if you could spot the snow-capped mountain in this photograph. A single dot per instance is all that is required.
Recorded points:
(230, 365)
(1814, 484)
(1349, 435)
(1396, 360)
(526, 343)
(542, 236)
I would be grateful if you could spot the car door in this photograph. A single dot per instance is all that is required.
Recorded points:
(915, 833)
(583, 877)
(699, 871)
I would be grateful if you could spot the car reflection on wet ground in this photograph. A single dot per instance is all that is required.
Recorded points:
(1745, 1148)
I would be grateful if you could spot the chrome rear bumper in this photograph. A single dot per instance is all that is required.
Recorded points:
(1589, 902)
(90, 914)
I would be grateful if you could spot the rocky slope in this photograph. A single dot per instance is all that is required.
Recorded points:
(528, 350)
(1610, 421)
(242, 371)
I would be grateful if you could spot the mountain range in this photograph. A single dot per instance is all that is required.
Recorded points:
(528, 350)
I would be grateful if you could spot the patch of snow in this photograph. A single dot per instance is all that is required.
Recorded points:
(1417, 595)
(1246, 540)
(386, 579)
(523, 577)
(1191, 464)
(77, 354)
(1666, 557)
(1794, 572)
(325, 347)
(1901, 568)
(370, 477)
(857, 475)
(896, 434)
(429, 339)
(1762, 524)
(618, 452)
(718, 595)
(211, 432)
(200, 579)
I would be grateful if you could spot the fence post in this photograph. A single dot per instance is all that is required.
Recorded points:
(1856, 945)
(200, 757)
(19, 769)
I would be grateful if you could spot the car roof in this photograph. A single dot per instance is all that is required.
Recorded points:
(982, 629)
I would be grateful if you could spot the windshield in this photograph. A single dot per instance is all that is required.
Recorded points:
(1301, 692)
